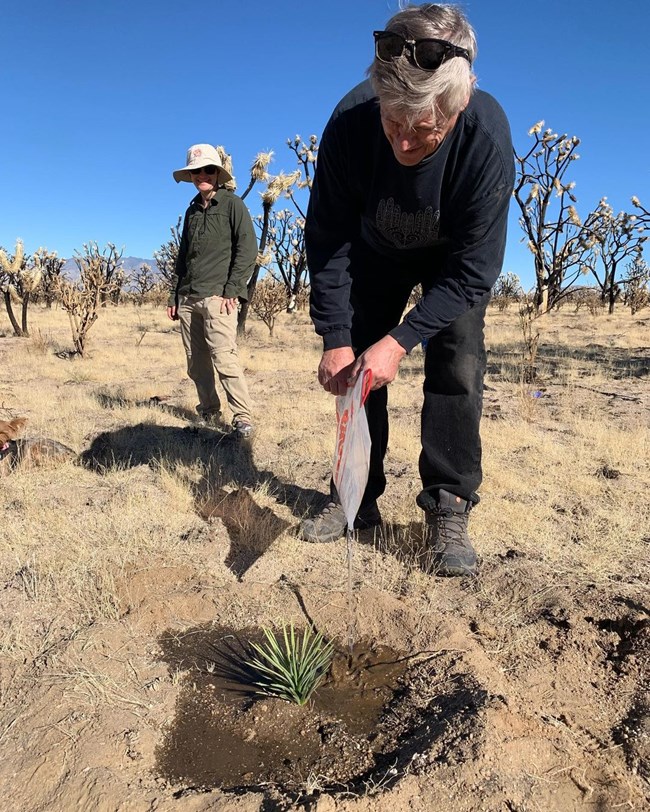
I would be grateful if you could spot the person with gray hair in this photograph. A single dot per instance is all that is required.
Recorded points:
(412, 187)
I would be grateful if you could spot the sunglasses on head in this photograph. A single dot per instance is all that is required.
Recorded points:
(426, 54)
(204, 170)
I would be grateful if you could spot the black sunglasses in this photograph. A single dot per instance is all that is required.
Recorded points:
(206, 170)
(426, 54)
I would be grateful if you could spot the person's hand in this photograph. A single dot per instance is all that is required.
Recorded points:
(228, 305)
(334, 370)
(172, 313)
(382, 358)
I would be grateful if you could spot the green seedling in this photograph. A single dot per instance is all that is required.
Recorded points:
(290, 665)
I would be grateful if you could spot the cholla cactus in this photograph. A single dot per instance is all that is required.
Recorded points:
(13, 265)
(100, 276)
(143, 283)
(269, 299)
(287, 242)
(51, 267)
(636, 285)
(507, 290)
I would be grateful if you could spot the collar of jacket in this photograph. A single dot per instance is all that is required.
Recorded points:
(198, 200)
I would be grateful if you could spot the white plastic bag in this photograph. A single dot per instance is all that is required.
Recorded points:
(352, 452)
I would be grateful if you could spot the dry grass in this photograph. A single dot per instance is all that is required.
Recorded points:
(544, 489)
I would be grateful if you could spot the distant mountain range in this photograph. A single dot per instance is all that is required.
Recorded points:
(128, 263)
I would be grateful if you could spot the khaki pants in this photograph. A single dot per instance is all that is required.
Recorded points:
(209, 339)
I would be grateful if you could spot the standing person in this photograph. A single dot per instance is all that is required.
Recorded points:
(215, 260)
(413, 182)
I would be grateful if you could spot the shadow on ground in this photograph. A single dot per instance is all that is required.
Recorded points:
(224, 489)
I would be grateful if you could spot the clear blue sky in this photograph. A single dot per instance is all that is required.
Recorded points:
(100, 100)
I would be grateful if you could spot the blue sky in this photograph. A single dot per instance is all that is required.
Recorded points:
(101, 100)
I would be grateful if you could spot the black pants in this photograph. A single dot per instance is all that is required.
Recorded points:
(454, 369)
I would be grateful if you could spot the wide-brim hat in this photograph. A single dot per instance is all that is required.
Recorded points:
(202, 155)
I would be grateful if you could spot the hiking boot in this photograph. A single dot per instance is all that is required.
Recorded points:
(242, 429)
(449, 550)
(331, 524)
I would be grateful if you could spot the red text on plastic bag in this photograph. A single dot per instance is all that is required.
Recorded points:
(352, 452)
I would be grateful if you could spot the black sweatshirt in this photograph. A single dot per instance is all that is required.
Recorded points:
(442, 222)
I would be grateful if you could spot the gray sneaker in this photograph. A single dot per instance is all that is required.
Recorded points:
(242, 429)
(331, 524)
(449, 550)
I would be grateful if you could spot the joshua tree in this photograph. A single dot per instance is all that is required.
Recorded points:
(306, 155)
(290, 664)
(18, 281)
(259, 171)
(620, 237)
(286, 243)
(283, 233)
(277, 185)
(557, 238)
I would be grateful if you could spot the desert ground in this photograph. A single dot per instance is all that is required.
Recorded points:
(128, 567)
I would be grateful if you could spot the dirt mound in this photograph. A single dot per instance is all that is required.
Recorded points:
(547, 710)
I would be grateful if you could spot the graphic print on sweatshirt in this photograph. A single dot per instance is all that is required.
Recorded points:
(406, 230)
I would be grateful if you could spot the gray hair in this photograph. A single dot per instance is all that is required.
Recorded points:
(411, 93)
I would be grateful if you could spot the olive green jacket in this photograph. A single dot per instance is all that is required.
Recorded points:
(217, 251)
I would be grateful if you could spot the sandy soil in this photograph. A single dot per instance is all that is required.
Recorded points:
(527, 688)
